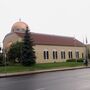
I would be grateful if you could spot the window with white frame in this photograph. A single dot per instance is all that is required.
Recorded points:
(70, 55)
(63, 56)
(46, 54)
(55, 55)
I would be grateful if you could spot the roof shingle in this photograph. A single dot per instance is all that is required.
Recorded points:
(45, 39)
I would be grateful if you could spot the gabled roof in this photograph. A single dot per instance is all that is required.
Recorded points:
(45, 39)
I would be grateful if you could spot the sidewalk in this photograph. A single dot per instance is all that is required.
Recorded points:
(40, 71)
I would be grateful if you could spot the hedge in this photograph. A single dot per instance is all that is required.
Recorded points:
(74, 60)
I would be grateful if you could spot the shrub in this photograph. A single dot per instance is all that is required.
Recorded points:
(1, 59)
(71, 60)
(80, 60)
(74, 60)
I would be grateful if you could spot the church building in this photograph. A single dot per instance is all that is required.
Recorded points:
(48, 48)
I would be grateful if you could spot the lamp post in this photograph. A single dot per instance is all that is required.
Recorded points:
(86, 61)
(75, 48)
(0, 48)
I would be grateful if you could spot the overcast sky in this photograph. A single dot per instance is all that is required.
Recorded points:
(58, 17)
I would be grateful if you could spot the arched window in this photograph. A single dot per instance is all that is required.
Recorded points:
(63, 56)
(55, 54)
(77, 54)
(70, 55)
(82, 55)
(46, 54)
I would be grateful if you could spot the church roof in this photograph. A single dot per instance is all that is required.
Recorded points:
(45, 39)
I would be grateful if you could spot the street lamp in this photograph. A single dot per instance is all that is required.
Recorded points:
(75, 45)
(86, 60)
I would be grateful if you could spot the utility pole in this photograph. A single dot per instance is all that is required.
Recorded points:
(0, 48)
(75, 48)
(86, 61)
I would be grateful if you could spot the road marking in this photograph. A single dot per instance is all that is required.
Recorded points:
(41, 89)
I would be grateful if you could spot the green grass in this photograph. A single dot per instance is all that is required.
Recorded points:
(20, 68)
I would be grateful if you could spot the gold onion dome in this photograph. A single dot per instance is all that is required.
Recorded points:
(19, 26)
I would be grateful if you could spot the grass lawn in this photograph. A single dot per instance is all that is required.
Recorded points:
(19, 68)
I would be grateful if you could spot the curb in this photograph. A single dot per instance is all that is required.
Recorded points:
(6, 75)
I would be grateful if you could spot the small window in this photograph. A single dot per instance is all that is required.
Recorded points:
(63, 56)
(82, 55)
(23, 29)
(70, 56)
(77, 54)
(46, 54)
(18, 29)
(55, 56)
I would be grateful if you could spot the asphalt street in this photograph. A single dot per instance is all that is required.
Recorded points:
(61, 80)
